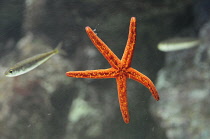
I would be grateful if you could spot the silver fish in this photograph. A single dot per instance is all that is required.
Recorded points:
(176, 44)
(31, 63)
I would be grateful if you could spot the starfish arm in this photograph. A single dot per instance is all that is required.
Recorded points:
(97, 74)
(122, 96)
(143, 79)
(103, 48)
(129, 49)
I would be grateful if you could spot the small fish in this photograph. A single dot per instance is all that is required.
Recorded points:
(31, 63)
(176, 44)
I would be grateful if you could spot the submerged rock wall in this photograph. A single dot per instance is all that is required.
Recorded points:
(184, 86)
(46, 104)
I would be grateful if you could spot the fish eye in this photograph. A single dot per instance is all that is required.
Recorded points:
(10, 71)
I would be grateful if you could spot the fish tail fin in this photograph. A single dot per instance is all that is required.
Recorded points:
(58, 47)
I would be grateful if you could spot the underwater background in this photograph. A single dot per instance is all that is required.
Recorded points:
(46, 104)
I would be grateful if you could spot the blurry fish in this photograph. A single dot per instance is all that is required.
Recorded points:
(30, 63)
(176, 44)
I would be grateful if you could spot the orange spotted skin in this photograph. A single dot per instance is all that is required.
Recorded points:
(120, 69)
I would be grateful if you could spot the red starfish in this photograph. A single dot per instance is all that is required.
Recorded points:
(120, 69)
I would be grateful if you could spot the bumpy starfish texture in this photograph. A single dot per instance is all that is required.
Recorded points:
(120, 69)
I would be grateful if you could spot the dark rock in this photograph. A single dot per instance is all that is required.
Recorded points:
(26, 107)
